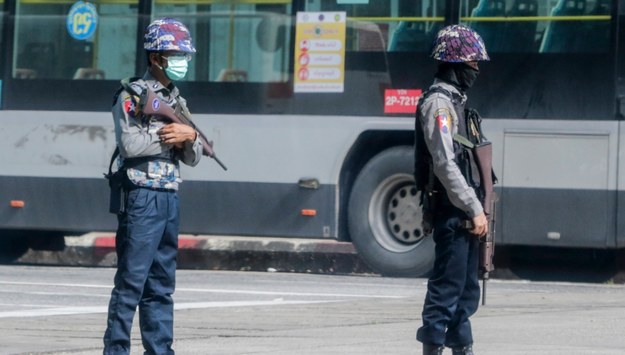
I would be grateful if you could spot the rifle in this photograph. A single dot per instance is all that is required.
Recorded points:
(483, 153)
(151, 104)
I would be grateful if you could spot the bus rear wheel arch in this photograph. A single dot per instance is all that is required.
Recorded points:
(384, 216)
(15, 243)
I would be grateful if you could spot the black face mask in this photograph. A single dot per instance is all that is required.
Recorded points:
(460, 75)
(466, 76)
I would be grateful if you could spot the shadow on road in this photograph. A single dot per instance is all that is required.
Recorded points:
(561, 264)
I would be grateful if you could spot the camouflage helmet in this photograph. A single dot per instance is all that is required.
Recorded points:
(458, 43)
(168, 34)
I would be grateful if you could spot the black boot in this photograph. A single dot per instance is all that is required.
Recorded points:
(431, 349)
(465, 350)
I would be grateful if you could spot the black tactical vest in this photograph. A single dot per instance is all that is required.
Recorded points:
(469, 132)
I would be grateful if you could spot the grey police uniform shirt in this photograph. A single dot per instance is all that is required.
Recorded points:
(440, 123)
(137, 136)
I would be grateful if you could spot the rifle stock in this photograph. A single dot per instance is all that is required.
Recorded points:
(153, 105)
(483, 154)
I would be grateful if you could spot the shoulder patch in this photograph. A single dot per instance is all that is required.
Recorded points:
(131, 105)
(443, 119)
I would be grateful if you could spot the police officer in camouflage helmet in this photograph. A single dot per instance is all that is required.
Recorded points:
(458, 219)
(150, 150)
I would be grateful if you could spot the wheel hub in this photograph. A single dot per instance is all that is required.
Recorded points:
(395, 215)
(404, 215)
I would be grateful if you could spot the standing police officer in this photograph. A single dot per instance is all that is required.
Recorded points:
(147, 234)
(457, 216)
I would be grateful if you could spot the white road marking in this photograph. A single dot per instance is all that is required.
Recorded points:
(209, 290)
(13, 305)
(50, 310)
(53, 284)
(248, 292)
(58, 311)
(44, 293)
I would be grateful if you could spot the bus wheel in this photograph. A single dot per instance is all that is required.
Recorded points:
(384, 216)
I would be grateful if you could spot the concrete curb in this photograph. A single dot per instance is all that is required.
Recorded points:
(218, 253)
(319, 256)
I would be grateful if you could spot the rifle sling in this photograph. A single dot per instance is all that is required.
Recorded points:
(126, 85)
(464, 141)
(180, 109)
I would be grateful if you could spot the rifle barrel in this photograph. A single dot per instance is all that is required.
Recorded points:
(219, 162)
(484, 289)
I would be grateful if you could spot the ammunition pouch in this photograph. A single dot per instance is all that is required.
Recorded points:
(116, 185)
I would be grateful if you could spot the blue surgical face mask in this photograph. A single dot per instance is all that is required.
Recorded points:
(177, 67)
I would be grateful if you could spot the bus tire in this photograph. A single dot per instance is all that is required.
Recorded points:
(384, 216)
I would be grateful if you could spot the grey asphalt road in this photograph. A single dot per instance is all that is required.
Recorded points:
(61, 310)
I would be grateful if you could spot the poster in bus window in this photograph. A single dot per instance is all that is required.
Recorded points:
(319, 52)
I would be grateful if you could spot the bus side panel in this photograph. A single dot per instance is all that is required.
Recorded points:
(81, 205)
(557, 181)
(620, 212)
(551, 217)
(64, 204)
(556, 187)
(251, 208)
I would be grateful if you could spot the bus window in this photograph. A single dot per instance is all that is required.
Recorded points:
(523, 31)
(554, 26)
(56, 39)
(239, 40)
(563, 36)
(2, 16)
(491, 32)
(599, 31)
(402, 25)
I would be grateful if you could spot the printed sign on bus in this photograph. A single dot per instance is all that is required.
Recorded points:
(320, 52)
(82, 20)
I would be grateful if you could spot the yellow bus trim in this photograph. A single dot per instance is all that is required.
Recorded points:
(486, 19)
(168, 2)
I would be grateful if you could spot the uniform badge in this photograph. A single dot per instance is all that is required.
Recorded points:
(443, 118)
(131, 105)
